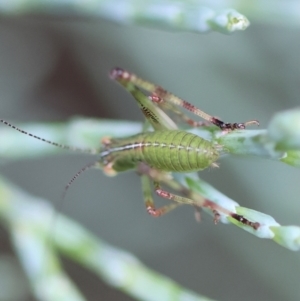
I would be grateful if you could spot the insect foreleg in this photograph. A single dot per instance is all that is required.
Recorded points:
(149, 203)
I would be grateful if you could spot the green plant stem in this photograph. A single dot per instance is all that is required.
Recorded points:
(87, 133)
(262, 143)
(166, 15)
(29, 220)
(196, 15)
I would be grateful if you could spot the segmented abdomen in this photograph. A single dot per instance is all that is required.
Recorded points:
(168, 150)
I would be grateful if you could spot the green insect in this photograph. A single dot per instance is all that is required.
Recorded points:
(156, 154)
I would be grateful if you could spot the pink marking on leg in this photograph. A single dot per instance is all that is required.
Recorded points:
(108, 170)
(216, 216)
(153, 212)
(198, 214)
(155, 98)
(106, 140)
(163, 194)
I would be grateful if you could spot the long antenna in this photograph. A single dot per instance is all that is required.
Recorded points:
(72, 148)
(86, 167)
(49, 240)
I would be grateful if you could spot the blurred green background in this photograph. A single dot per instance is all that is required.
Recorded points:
(53, 68)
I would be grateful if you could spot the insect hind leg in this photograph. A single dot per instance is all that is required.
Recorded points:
(153, 114)
(160, 95)
(172, 108)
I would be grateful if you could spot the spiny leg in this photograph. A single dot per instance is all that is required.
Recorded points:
(172, 108)
(153, 114)
(190, 198)
(161, 95)
(215, 208)
(201, 202)
(149, 203)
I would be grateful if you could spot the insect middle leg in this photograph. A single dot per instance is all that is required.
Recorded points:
(199, 201)
(148, 199)
(184, 200)
(190, 197)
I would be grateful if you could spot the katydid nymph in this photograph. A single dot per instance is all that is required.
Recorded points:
(156, 154)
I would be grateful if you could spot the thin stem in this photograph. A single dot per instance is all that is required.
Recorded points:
(87, 133)
(28, 219)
